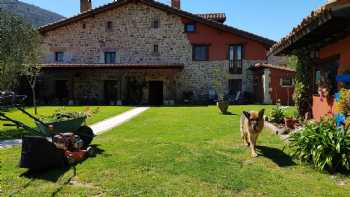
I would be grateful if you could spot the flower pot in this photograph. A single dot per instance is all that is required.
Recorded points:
(223, 106)
(290, 123)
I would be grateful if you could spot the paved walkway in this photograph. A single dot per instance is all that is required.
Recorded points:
(113, 122)
(98, 128)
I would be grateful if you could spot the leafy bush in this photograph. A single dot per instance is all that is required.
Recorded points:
(323, 145)
(63, 115)
(277, 114)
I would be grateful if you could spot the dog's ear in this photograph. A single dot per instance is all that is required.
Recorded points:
(261, 114)
(246, 114)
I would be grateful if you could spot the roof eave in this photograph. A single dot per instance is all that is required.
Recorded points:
(330, 12)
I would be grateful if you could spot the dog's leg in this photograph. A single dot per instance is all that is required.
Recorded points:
(244, 136)
(252, 139)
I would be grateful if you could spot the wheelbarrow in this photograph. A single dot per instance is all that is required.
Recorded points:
(40, 150)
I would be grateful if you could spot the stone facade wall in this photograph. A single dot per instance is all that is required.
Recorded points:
(133, 38)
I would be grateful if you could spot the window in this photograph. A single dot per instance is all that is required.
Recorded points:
(84, 25)
(109, 26)
(287, 82)
(155, 49)
(110, 57)
(200, 52)
(235, 57)
(59, 56)
(190, 27)
(156, 24)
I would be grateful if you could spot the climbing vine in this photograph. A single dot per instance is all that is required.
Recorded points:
(303, 82)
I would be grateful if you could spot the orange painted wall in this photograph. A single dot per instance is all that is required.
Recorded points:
(322, 107)
(220, 40)
(341, 48)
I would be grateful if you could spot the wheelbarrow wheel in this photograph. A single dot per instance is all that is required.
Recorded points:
(86, 134)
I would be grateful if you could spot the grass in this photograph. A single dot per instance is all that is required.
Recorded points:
(11, 133)
(177, 151)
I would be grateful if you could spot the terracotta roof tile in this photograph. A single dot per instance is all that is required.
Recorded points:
(219, 17)
(279, 67)
(323, 11)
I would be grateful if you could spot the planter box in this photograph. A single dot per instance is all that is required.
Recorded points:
(60, 127)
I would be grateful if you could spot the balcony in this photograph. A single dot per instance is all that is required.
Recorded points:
(235, 66)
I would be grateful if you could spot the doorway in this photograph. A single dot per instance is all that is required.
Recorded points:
(155, 93)
(111, 91)
(61, 89)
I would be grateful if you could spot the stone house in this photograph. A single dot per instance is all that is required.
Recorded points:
(146, 52)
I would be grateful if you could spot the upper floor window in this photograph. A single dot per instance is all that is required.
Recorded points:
(59, 56)
(235, 57)
(156, 23)
(110, 57)
(190, 27)
(200, 52)
(156, 49)
(109, 26)
(84, 26)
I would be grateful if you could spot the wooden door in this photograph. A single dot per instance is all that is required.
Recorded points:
(156, 93)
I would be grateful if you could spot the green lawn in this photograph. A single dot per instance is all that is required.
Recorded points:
(177, 151)
(103, 113)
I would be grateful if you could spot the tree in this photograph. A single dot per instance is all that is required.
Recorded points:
(19, 53)
(303, 81)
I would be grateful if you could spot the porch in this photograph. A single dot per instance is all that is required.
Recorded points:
(96, 84)
(322, 43)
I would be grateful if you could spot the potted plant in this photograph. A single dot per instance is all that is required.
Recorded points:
(223, 105)
(292, 122)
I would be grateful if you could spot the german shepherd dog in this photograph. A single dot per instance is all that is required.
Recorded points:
(252, 123)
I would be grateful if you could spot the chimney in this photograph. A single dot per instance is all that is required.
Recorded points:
(85, 5)
(176, 4)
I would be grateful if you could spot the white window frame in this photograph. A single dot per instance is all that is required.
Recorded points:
(287, 78)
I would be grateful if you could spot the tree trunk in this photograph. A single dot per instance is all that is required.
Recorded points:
(34, 101)
(304, 74)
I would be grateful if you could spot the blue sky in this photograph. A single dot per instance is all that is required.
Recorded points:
(269, 18)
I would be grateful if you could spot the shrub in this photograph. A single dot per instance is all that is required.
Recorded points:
(278, 114)
(323, 145)
(343, 103)
(63, 115)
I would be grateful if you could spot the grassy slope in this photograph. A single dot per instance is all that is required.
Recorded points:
(10, 132)
(178, 152)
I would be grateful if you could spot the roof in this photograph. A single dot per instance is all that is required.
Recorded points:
(112, 66)
(219, 17)
(317, 18)
(267, 42)
(263, 66)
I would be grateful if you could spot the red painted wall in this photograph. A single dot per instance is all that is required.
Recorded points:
(341, 48)
(285, 94)
(220, 40)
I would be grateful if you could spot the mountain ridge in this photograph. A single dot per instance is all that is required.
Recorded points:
(30, 13)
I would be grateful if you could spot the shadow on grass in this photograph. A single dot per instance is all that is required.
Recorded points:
(276, 155)
(229, 114)
(54, 175)
(10, 134)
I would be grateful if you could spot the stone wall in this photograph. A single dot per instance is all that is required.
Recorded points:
(132, 37)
